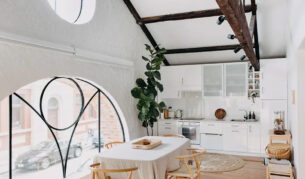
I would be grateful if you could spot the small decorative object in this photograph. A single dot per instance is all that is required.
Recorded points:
(178, 113)
(257, 75)
(220, 113)
(165, 112)
(278, 124)
(171, 113)
(253, 95)
(146, 144)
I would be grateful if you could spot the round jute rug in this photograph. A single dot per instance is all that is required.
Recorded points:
(221, 163)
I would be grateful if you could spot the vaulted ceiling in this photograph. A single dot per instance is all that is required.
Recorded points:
(202, 32)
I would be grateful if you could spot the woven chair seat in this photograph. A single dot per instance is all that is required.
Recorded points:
(183, 172)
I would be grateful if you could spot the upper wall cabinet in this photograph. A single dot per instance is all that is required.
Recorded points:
(191, 78)
(274, 79)
(213, 80)
(236, 79)
(171, 78)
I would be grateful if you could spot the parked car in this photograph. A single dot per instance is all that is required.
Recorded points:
(95, 141)
(46, 153)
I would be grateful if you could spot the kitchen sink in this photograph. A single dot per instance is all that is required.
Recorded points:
(238, 120)
(243, 120)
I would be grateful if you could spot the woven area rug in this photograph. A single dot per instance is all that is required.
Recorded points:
(221, 163)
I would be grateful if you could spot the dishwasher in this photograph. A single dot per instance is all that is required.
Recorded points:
(211, 141)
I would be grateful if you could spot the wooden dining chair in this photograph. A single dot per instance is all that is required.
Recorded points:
(189, 170)
(173, 135)
(111, 144)
(96, 170)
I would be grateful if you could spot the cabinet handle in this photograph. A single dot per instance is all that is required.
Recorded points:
(168, 128)
(235, 131)
(167, 123)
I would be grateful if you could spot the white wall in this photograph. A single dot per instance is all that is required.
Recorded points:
(296, 68)
(112, 35)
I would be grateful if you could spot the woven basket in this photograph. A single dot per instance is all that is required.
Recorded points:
(278, 151)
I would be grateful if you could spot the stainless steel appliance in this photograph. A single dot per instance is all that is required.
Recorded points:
(191, 130)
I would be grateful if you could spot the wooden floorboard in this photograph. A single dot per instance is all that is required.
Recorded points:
(253, 169)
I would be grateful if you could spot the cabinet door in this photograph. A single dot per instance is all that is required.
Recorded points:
(235, 79)
(213, 80)
(254, 142)
(171, 78)
(235, 138)
(191, 78)
(274, 79)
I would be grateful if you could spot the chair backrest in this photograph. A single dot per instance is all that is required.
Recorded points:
(110, 144)
(173, 135)
(96, 170)
(197, 155)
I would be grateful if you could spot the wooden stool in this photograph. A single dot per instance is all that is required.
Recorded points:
(274, 137)
(279, 171)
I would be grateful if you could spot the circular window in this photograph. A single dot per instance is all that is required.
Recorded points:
(74, 11)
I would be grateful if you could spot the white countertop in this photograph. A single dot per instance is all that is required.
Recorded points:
(209, 120)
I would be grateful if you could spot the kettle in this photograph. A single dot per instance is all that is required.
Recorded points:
(178, 113)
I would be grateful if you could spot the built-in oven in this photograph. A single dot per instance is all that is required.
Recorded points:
(191, 130)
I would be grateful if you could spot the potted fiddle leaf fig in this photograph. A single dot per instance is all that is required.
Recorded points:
(147, 89)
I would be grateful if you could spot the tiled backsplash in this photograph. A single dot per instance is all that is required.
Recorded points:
(193, 105)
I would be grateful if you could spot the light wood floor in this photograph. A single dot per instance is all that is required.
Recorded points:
(254, 169)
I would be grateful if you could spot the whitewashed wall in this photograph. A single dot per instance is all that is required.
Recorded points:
(296, 68)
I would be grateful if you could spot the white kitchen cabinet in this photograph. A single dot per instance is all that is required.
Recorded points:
(236, 79)
(211, 141)
(274, 79)
(191, 78)
(235, 137)
(213, 80)
(267, 118)
(171, 78)
(167, 127)
(254, 138)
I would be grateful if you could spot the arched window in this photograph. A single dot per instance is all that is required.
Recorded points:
(74, 11)
(55, 122)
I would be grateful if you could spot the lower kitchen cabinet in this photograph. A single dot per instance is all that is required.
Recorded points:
(211, 141)
(167, 127)
(254, 135)
(235, 137)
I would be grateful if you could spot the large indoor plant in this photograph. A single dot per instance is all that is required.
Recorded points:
(147, 90)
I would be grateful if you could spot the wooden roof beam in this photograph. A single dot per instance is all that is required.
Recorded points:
(238, 22)
(202, 49)
(186, 15)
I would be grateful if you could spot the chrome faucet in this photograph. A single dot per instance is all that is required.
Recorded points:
(246, 116)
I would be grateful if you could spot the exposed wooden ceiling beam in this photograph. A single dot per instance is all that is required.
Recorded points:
(238, 22)
(202, 49)
(186, 15)
(254, 8)
(137, 17)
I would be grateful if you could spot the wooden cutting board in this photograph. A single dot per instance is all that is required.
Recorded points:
(146, 144)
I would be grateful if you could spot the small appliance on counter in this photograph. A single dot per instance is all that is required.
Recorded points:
(178, 113)
(171, 112)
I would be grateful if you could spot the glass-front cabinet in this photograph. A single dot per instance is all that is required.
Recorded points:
(213, 80)
(236, 79)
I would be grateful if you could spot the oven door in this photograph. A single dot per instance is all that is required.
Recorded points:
(192, 131)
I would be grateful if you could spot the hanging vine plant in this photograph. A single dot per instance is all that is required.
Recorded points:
(147, 90)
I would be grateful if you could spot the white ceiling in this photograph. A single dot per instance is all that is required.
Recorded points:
(272, 29)
(113, 28)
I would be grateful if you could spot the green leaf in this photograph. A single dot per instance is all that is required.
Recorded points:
(145, 124)
(145, 59)
(148, 67)
(136, 92)
(141, 83)
(148, 74)
(160, 86)
(157, 75)
(161, 106)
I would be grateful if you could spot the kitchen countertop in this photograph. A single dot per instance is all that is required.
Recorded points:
(208, 120)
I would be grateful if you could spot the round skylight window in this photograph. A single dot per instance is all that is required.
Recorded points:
(74, 11)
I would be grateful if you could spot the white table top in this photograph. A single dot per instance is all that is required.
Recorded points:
(152, 163)
(126, 152)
